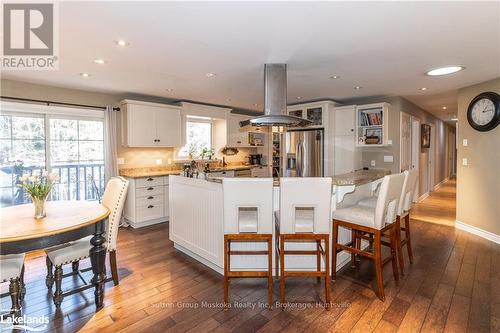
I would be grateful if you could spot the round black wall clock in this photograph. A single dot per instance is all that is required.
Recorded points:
(483, 113)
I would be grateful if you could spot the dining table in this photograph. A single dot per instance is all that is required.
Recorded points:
(65, 221)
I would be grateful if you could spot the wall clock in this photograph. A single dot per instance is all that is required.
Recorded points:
(483, 113)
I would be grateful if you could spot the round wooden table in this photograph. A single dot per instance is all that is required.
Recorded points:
(65, 221)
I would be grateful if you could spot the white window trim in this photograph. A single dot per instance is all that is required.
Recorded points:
(52, 110)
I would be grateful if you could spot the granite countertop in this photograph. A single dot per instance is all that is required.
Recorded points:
(162, 171)
(355, 178)
(359, 177)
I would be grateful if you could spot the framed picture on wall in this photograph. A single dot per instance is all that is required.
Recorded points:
(425, 136)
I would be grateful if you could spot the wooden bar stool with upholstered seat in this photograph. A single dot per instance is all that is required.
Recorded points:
(248, 218)
(12, 270)
(304, 217)
(403, 212)
(113, 199)
(374, 222)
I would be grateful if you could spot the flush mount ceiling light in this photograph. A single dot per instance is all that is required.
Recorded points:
(334, 77)
(85, 75)
(100, 61)
(357, 87)
(210, 74)
(445, 70)
(122, 43)
(423, 88)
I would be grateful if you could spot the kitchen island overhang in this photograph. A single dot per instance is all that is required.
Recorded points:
(196, 225)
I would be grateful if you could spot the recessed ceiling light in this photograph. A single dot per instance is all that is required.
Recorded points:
(169, 89)
(444, 108)
(100, 61)
(299, 97)
(357, 87)
(444, 70)
(122, 43)
(210, 74)
(228, 99)
(255, 104)
(334, 77)
(423, 88)
(85, 75)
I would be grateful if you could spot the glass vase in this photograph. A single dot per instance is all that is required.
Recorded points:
(39, 207)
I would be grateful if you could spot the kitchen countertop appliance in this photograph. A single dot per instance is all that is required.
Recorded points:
(304, 153)
(255, 159)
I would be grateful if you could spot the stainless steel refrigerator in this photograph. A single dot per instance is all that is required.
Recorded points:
(303, 153)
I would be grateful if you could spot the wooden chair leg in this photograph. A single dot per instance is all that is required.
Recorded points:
(14, 290)
(399, 247)
(327, 273)
(58, 297)
(226, 270)
(270, 272)
(394, 251)
(358, 246)
(114, 268)
(335, 233)
(22, 285)
(75, 265)
(318, 258)
(277, 256)
(408, 238)
(377, 250)
(282, 271)
(49, 279)
(353, 255)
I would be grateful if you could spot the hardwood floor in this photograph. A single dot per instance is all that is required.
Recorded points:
(453, 286)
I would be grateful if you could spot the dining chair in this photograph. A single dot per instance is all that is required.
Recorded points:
(114, 200)
(12, 270)
(403, 212)
(370, 224)
(248, 218)
(304, 220)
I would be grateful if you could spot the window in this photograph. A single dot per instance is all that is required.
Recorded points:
(73, 147)
(198, 136)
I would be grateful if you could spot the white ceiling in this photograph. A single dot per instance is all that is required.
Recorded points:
(384, 47)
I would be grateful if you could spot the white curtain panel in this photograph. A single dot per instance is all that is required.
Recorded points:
(110, 145)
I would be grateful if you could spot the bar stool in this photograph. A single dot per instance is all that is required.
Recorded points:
(304, 216)
(403, 212)
(374, 222)
(12, 270)
(248, 217)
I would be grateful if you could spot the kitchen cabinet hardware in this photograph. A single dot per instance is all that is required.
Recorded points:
(149, 198)
(149, 179)
(150, 188)
(150, 206)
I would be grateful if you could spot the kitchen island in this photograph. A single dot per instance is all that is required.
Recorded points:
(197, 219)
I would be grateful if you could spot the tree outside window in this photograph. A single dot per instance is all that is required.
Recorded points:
(198, 137)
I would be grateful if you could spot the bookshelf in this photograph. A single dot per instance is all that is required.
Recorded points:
(372, 125)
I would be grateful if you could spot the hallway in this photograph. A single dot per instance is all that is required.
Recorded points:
(439, 207)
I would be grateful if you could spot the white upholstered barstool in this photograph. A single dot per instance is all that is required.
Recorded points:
(373, 222)
(113, 199)
(248, 217)
(403, 212)
(12, 270)
(304, 216)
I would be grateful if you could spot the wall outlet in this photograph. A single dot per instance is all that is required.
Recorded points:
(159, 161)
(120, 161)
(465, 162)
(372, 163)
(465, 143)
(389, 158)
(169, 161)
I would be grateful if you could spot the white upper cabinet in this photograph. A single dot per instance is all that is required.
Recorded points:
(236, 136)
(345, 120)
(150, 124)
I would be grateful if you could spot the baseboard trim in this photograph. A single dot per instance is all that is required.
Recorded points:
(423, 197)
(477, 231)
(438, 185)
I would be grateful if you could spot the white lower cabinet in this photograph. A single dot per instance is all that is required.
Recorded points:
(260, 171)
(147, 201)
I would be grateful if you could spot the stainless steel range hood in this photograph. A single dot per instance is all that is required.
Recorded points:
(275, 113)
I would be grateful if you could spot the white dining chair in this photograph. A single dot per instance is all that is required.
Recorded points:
(370, 224)
(113, 199)
(304, 217)
(12, 271)
(403, 213)
(248, 217)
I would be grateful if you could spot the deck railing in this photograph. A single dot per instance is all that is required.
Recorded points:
(77, 182)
